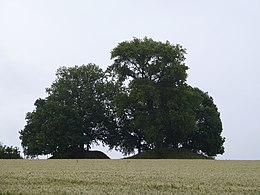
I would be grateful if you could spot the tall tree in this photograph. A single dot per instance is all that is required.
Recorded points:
(72, 117)
(155, 107)
(152, 74)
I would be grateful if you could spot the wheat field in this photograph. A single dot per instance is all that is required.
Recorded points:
(129, 177)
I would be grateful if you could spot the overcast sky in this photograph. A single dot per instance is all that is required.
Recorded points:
(222, 39)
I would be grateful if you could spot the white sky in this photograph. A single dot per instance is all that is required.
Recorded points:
(222, 38)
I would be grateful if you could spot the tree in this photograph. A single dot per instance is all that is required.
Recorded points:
(155, 72)
(50, 129)
(73, 116)
(9, 152)
(155, 107)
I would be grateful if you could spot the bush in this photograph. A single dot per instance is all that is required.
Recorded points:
(9, 152)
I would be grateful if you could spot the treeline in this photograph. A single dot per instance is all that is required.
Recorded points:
(9, 152)
(141, 102)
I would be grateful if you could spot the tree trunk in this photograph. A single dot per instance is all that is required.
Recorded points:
(139, 149)
(88, 147)
(139, 146)
(81, 146)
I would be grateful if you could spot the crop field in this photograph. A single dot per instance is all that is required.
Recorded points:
(129, 177)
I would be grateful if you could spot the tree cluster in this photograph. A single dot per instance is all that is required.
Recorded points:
(9, 152)
(141, 102)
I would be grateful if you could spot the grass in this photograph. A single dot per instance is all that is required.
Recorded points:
(129, 176)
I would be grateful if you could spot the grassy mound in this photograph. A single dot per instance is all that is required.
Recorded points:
(81, 155)
(169, 153)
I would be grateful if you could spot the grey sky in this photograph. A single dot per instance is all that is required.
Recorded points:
(222, 39)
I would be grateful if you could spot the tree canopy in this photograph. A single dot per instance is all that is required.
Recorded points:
(158, 107)
(72, 117)
(141, 102)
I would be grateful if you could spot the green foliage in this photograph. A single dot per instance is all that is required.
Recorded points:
(155, 72)
(157, 61)
(142, 102)
(9, 152)
(207, 137)
(155, 107)
(74, 115)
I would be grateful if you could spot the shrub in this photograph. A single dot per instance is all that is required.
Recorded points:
(9, 152)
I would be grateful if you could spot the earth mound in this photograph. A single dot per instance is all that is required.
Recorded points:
(169, 153)
(81, 155)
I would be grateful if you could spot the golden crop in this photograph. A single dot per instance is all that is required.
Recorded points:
(129, 177)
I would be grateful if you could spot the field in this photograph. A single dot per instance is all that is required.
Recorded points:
(129, 177)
